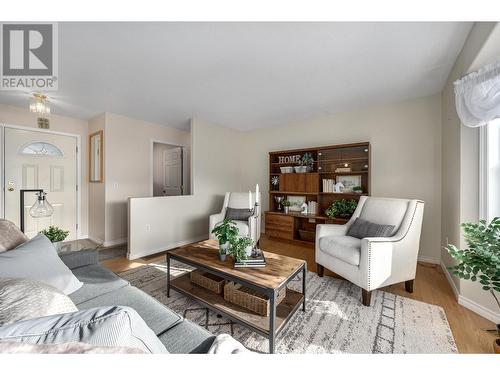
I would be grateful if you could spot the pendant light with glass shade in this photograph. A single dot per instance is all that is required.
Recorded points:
(41, 207)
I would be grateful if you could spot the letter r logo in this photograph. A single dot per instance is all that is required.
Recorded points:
(27, 49)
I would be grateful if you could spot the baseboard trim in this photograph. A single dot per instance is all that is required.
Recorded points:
(427, 259)
(450, 281)
(166, 247)
(478, 309)
(468, 303)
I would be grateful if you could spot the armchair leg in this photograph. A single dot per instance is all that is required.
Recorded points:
(320, 270)
(409, 286)
(367, 297)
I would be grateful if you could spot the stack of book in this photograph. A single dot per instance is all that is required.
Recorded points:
(257, 260)
(328, 185)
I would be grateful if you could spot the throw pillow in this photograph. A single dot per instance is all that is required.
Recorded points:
(238, 213)
(363, 228)
(37, 259)
(22, 299)
(10, 235)
(101, 326)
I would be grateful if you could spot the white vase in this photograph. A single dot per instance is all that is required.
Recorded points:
(248, 250)
(57, 245)
(224, 246)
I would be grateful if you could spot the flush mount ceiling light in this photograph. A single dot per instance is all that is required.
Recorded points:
(40, 104)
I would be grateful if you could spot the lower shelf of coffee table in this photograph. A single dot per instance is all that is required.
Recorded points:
(284, 310)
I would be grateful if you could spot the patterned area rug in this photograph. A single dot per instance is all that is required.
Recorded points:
(335, 320)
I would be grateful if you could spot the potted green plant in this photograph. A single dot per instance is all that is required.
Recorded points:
(226, 232)
(55, 235)
(480, 260)
(342, 209)
(239, 248)
(357, 189)
(286, 205)
(305, 163)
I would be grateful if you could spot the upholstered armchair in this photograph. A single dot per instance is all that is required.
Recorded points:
(238, 201)
(374, 262)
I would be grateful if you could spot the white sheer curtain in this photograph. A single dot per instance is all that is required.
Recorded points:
(477, 96)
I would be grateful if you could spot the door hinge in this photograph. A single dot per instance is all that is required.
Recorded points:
(77, 149)
(76, 226)
(76, 187)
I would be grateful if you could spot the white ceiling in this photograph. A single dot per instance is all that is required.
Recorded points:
(246, 75)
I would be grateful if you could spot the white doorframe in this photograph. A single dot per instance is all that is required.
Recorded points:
(78, 169)
(151, 165)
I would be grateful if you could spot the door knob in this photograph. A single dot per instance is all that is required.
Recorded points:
(10, 189)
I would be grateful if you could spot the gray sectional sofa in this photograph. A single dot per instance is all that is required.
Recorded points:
(104, 288)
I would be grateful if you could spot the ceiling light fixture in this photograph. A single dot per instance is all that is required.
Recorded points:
(40, 104)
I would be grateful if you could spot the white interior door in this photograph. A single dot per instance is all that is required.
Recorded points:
(172, 167)
(39, 160)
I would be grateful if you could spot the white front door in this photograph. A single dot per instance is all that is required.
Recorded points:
(39, 160)
(172, 167)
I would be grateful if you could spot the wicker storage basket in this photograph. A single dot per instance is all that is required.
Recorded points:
(208, 281)
(250, 299)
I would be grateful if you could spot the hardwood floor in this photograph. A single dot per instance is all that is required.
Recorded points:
(430, 286)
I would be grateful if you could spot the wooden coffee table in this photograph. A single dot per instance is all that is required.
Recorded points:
(269, 280)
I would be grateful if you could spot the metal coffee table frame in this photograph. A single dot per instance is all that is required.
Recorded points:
(269, 292)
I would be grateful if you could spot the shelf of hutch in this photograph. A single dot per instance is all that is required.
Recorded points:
(326, 160)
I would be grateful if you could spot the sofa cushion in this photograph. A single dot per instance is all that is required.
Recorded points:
(157, 316)
(10, 235)
(363, 228)
(345, 248)
(96, 281)
(102, 326)
(67, 348)
(37, 259)
(22, 299)
(384, 211)
(187, 337)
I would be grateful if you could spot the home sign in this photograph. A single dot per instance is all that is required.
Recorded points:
(289, 159)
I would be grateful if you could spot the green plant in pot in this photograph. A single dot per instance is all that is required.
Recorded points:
(480, 260)
(357, 189)
(286, 205)
(239, 247)
(307, 161)
(55, 235)
(342, 209)
(226, 232)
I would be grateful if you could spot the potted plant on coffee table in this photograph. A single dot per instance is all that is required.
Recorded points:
(55, 235)
(226, 232)
(342, 209)
(480, 260)
(239, 248)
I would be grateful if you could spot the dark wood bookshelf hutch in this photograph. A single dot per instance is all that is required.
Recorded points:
(353, 158)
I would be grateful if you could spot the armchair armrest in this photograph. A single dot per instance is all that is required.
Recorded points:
(213, 221)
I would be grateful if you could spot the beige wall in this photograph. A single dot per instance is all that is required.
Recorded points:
(406, 154)
(161, 223)
(128, 169)
(22, 117)
(460, 163)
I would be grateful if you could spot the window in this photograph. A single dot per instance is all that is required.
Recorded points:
(490, 170)
(41, 148)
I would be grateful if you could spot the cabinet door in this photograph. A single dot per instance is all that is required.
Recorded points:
(299, 182)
